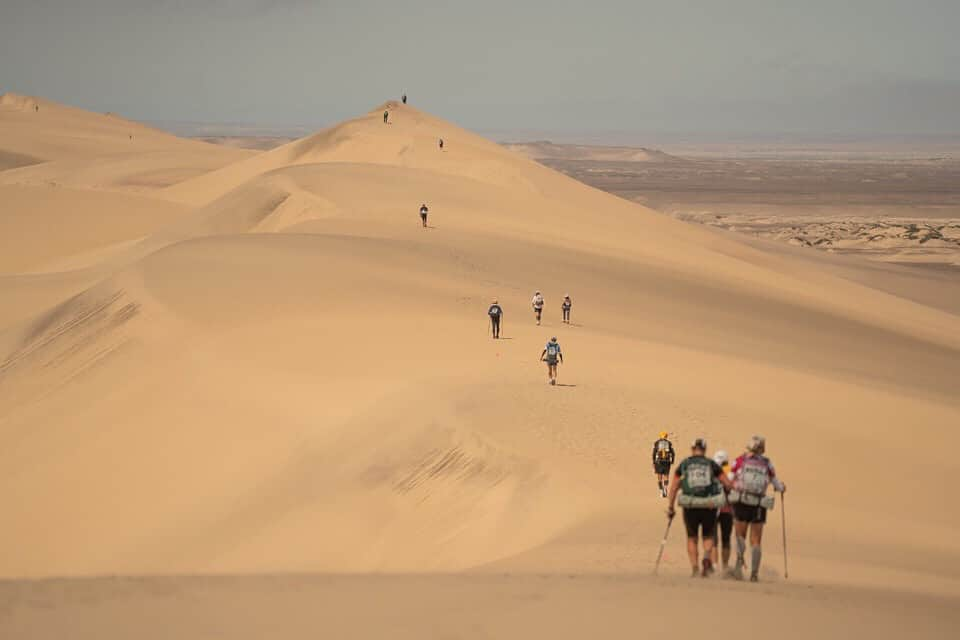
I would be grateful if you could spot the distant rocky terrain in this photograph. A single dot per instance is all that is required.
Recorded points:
(898, 240)
(891, 208)
(546, 150)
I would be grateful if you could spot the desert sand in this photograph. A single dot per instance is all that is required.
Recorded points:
(252, 384)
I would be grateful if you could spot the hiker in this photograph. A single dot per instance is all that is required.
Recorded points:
(423, 214)
(403, 98)
(441, 144)
(496, 313)
(386, 115)
(724, 531)
(700, 479)
(752, 474)
(552, 354)
(663, 458)
(537, 303)
(565, 306)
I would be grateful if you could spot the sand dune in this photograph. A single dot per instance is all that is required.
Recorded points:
(49, 144)
(283, 372)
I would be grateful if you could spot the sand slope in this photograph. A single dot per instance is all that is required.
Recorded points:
(291, 375)
(49, 144)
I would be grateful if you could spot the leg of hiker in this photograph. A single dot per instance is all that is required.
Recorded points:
(693, 554)
(709, 520)
(756, 551)
(725, 532)
(692, 523)
(708, 553)
(740, 528)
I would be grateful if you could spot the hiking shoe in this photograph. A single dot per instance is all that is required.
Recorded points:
(737, 572)
(707, 568)
(695, 573)
(754, 578)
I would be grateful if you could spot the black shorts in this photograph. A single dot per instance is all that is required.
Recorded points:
(725, 527)
(663, 468)
(747, 513)
(696, 519)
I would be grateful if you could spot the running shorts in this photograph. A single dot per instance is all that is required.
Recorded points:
(725, 528)
(748, 513)
(700, 519)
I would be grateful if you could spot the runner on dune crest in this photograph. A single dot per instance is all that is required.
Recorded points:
(423, 214)
(537, 303)
(724, 531)
(552, 356)
(663, 458)
(699, 479)
(496, 314)
(752, 474)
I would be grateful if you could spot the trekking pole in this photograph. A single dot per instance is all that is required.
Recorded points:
(663, 544)
(783, 520)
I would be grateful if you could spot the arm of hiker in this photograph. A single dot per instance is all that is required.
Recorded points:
(725, 481)
(779, 486)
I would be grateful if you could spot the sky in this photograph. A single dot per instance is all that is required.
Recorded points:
(684, 66)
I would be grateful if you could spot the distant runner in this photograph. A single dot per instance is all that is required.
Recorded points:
(752, 473)
(404, 98)
(423, 214)
(551, 355)
(386, 116)
(700, 479)
(724, 531)
(565, 306)
(441, 144)
(537, 303)
(663, 458)
(496, 313)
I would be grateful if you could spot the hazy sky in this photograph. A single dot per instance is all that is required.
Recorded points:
(724, 66)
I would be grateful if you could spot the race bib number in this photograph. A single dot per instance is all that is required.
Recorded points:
(754, 479)
(699, 477)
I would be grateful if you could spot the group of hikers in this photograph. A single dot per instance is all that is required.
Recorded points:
(552, 353)
(717, 495)
(386, 119)
(717, 498)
